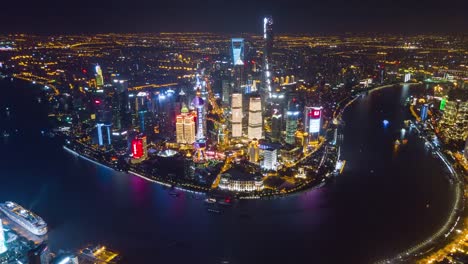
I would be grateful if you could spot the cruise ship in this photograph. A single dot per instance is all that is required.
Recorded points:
(27, 219)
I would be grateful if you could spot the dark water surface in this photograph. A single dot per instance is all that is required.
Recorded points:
(376, 208)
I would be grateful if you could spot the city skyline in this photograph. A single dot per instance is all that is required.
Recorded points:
(170, 138)
(297, 16)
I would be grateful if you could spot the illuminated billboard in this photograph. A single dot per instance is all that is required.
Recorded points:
(314, 120)
(137, 148)
(237, 51)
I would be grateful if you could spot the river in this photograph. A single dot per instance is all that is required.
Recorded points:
(385, 201)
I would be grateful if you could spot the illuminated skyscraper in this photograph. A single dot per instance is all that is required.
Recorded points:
(200, 141)
(222, 138)
(424, 109)
(121, 119)
(255, 124)
(185, 127)
(237, 45)
(291, 122)
(237, 48)
(253, 151)
(103, 121)
(199, 105)
(267, 54)
(276, 126)
(454, 123)
(312, 120)
(3, 247)
(104, 139)
(236, 119)
(269, 159)
(139, 149)
(226, 92)
(99, 77)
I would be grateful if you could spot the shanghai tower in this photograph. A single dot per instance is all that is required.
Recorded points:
(267, 52)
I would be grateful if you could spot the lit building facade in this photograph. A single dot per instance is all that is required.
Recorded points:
(237, 52)
(104, 134)
(424, 109)
(236, 184)
(99, 76)
(253, 151)
(255, 124)
(267, 54)
(103, 121)
(270, 157)
(199, 105)
(276, 126)
(121, 119)
(237, 47)
(292, 115)
(139, 149)
(454, 123)
(185, 127)
(312, 120)
(236, 119)
(226, 92)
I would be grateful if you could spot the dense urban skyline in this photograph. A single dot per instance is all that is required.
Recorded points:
(234, 132)
(335, 16)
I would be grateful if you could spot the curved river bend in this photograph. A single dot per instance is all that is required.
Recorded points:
(384, 202)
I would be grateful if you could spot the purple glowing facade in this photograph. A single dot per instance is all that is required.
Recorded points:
(199, 104)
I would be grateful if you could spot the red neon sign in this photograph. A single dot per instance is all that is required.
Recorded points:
(137, 148)
(315, 113)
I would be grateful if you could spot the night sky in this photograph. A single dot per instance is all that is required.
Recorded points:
(312, 16)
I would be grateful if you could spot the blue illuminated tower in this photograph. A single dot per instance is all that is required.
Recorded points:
(107, 128)
(103, 122)
(237, 51)
(3, 247)
(424, 109)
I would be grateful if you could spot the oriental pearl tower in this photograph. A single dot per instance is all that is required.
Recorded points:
(200, 143)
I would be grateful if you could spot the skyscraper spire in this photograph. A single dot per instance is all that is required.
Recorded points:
(267, 54)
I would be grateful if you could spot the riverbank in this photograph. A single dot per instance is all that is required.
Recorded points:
(456, 220)
(378, 207)
(317, 182)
